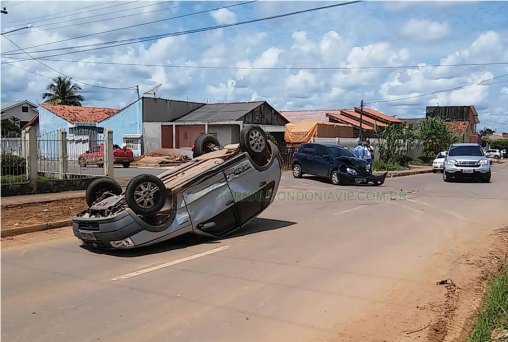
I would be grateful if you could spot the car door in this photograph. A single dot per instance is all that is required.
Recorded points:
(211, 205)
(251, 191)
(321, 161)
(307, 159)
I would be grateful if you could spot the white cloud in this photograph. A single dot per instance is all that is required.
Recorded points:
(425, 30)
(223, 16)
(504, 91)
(303, 84)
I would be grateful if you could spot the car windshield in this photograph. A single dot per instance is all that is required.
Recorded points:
(341, 152)
(441, 155)
(465, 151)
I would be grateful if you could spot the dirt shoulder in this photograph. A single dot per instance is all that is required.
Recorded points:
(22, 215)
(444, 309)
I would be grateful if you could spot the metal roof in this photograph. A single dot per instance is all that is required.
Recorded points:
(218, 112)
(11, 104)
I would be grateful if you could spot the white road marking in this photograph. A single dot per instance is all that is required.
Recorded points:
(349, 210)
(167, 264)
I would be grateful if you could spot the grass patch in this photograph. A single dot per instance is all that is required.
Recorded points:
(495, 311)
(10, 179)
(379, 165)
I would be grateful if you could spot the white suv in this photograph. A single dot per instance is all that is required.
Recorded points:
(467, 161)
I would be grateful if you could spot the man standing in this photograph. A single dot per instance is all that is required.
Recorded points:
(369, 153)
(360, 150)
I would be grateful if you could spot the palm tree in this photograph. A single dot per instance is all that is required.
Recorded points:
(63, 92)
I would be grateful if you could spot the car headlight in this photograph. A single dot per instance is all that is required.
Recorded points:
(484, 162)
(125, 243)
(351, 171)
(451, 161)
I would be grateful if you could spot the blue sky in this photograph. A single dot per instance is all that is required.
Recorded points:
(396, 56)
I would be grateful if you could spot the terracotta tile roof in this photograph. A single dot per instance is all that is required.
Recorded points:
(75, 114)
(457, 126)
(318, 115)
(378, 115)
(356, 116)
(344, 119)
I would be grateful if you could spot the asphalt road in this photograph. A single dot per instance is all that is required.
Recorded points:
(315, 261)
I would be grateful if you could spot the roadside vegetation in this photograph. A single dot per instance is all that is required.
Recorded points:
(395, 141)
(492, 320)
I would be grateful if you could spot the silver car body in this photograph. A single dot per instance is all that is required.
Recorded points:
(466, 159)
(212, 195)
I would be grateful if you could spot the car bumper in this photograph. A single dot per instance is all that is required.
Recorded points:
(467, 171)
(364, 180)
(123, 160)
(127, 227)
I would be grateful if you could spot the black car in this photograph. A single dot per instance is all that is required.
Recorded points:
(335, 162)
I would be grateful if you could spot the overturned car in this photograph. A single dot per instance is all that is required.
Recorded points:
(214, 194)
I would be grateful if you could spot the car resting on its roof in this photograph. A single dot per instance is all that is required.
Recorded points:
(216, 193)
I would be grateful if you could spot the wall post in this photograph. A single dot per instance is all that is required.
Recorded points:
(108, 153)
(62, 154)
(31, 160)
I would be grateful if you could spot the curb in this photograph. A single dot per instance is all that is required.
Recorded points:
(35, 228)
(409, 173)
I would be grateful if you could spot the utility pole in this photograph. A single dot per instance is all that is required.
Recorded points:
(361, 120)
(137, 90)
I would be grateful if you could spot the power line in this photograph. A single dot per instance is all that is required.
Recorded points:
(389, 67)
(116, 43)
(78, 81)
(437, 92)
(13, 52)
(58, 15)
(107, 19)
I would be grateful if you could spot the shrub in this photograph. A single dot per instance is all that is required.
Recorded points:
(379, 165)
(13, 164)
(499, 144)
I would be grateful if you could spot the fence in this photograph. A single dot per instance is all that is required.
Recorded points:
(56, 155)
(14, 154)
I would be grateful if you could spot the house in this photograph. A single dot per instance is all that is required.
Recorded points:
(467, 114)
(22, 111)
(150, 123)
(224, 120)
(462, 129)
(368, 120)
(84, 125)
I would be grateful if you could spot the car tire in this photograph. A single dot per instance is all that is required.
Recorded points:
(335, 177)
(486, 179)
(126, 165)
(145, 194)
(82, 162)
(253, 140)
(98, 187)
(202, 144)
(446, 177)
(297, 171)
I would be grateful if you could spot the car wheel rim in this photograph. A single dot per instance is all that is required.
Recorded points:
(335, 178)
(256, 141)
(296, 171)
(145, 194)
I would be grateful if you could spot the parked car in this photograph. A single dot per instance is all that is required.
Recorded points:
(438, 163)
(335, 162)
(493, 153)
(95, 156)
(212, 195)
(466, 160)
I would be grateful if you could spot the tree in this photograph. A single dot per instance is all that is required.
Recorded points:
(393, 143)
(10, 128)
(486, 131)
(435, 135)
(63, 92)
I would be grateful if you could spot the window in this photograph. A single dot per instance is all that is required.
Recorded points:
(341, 152)
(132, 143)
(466, 151)
(321, 151)
(24, 109)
